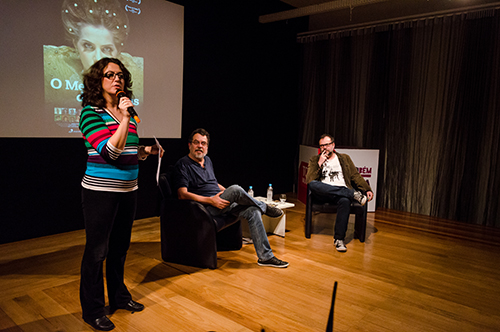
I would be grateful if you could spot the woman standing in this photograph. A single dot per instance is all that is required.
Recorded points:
(109, 193)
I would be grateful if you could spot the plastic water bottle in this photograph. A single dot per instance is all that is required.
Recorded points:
(269, 198)
(250, 191)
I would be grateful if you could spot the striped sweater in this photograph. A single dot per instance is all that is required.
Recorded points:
(108, 168)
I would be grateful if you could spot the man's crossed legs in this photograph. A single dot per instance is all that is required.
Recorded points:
(246, 207)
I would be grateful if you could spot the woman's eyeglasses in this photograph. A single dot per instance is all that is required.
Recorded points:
(111, 75)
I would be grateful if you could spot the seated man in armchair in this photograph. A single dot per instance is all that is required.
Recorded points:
(332, 178)
(195, 179)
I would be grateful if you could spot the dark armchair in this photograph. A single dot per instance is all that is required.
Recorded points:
(356, 208)
(189, 234)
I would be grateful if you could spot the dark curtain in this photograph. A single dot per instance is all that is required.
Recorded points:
(426, 94)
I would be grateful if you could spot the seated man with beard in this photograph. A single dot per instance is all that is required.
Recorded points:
(195, 179)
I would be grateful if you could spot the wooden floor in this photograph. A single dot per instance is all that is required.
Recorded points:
(412, 274)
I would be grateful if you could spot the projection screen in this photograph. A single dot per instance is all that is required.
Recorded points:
(48, 44)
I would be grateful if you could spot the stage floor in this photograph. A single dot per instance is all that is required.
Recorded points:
(413, 273)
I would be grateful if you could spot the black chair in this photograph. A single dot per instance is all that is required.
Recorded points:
(190, 235)
(356, 208)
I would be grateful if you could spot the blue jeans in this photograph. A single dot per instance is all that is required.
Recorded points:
(245, 207)
(341, 196)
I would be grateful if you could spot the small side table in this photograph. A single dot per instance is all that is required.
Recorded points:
(275, 226)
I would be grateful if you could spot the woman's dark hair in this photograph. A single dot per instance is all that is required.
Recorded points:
(92, 83)
(200, 131)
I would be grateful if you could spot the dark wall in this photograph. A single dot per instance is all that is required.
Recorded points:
(240, 83)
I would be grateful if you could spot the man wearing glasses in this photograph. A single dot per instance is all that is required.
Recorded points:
(333, 178)
(195, 180)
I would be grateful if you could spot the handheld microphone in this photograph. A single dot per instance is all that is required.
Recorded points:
(130, 110)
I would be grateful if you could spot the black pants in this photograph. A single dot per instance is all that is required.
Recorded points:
(108, 220)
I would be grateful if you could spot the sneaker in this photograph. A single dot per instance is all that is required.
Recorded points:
(273, 262)
(358, 196)
(340, 246)
(273, 212)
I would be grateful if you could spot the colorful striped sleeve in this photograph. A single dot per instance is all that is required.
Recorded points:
(97, 134)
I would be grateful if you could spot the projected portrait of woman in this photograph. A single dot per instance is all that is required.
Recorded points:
(95, 29)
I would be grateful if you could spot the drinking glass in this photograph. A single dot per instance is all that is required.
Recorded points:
(283, 198)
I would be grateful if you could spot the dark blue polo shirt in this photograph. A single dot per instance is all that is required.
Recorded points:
(198, 180)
